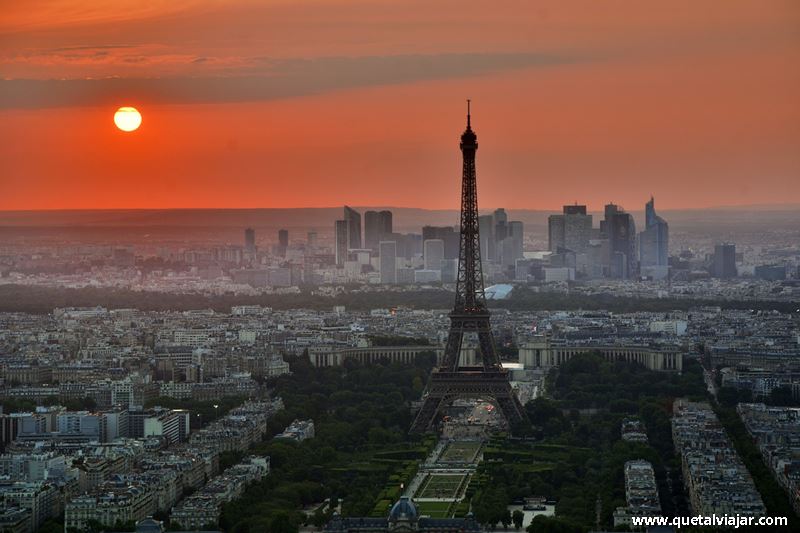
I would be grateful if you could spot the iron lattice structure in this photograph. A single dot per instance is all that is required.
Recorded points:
(470, 315)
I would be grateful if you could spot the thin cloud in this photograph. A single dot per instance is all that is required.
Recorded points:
(282, 79)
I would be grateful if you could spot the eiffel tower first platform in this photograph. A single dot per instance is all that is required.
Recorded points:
(470, 315)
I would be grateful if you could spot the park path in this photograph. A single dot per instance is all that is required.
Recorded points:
(434, 465)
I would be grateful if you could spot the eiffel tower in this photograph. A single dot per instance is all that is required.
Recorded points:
(470, 315)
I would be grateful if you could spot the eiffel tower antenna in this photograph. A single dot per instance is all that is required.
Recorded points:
(469, 315)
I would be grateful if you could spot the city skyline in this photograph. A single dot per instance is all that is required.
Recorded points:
(606, 345)
(275, 105)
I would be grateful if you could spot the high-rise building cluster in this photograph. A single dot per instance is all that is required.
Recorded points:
(429, 257)
(501, 239)
(614, 250)
(367, 248)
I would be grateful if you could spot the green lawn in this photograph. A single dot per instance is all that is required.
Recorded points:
(441, 486)
(460, 452)
(434, 509)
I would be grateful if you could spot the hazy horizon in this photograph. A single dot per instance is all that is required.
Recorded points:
(226, 225)
(757, 207)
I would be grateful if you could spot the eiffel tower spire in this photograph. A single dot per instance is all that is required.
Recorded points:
(470, 315)
(469, 285)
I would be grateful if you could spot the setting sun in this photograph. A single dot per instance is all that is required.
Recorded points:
(127, 118)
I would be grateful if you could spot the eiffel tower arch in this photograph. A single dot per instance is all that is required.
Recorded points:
(470, 315)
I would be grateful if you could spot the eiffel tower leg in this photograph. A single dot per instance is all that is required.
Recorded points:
(427, 414)
(512, 408)
(452, 350)
(488, 354)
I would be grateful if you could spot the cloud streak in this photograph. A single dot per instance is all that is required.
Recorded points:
(283, 79)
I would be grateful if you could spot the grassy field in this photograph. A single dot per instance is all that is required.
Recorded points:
(441, 486)
(434, 509)
(460, 452)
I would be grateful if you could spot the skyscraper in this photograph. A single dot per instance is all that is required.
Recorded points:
(556, 226)
(283, 243)
(433, 253)
(500, 232)
(353, 219)
(620, 230)
(515, 233)
(377, 224)
(509, 248)
(570, 230)
(500, 216)
(388, 261)
(448, 234)
(724, 263)
(654, 241)
(574, 209)
(340, 239)
(250, 239)
(486, 229)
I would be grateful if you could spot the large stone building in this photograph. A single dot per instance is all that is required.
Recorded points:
(327, 356)
(543, 352)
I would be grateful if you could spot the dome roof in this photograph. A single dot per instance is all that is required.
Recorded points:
(404, 509)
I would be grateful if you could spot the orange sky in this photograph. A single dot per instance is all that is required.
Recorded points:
(284, 103)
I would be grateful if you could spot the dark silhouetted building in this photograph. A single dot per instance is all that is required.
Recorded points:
(340, 239)
(486, 230)
(446, 234)
(388, 261)
(570, 230)
(620, 230)
(771, 272)
(724, 264)
(353, 219)
(250, 239)
(654, 244)
(283, 242)
(377, 225)
(499, 232)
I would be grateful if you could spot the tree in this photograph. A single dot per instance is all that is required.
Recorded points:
(540, 410)
(417, 385)
(730, 396)
(318, 519)
(505, 518)
(517, 517)
(51, 526)
(549, 524)
(282, 523)
(781, 396)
